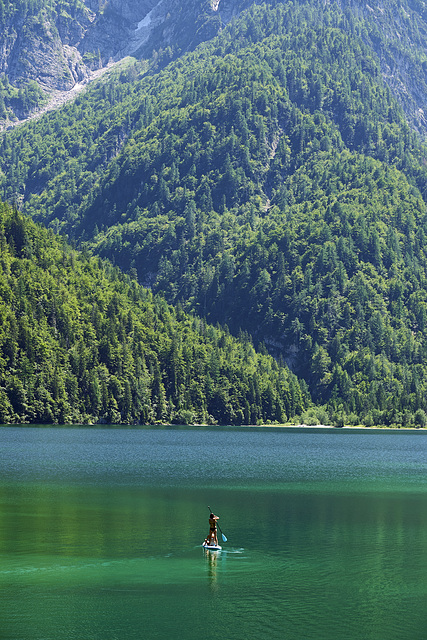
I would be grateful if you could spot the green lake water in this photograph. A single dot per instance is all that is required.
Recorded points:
(101, 532)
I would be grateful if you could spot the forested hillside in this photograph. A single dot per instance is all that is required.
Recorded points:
(269, 180)
(81, 342)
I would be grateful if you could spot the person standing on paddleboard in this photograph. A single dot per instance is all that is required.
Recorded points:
(212, 537)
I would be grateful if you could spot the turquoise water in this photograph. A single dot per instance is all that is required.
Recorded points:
(100, 534)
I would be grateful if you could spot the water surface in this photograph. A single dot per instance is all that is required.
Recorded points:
(100, 534)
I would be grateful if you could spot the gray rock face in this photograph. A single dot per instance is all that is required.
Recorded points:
(58, 50)
(35, 47)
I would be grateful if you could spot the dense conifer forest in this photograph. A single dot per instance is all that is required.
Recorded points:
(82, 342)
(271, 182)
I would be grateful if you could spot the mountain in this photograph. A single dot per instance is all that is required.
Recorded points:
(81, 342)
(53, 46)
(272, 178)
(48, 47)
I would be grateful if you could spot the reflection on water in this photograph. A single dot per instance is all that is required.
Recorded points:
(100, 534)
(212, 563)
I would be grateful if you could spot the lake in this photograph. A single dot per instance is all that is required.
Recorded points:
(101, 532)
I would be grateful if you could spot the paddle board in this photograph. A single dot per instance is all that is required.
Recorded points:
(211, 547)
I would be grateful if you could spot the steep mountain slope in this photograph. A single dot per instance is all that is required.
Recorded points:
(79, 342)
(269, 180)
(50, 45)
(53, 44)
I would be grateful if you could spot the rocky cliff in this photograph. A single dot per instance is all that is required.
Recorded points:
(59, 44)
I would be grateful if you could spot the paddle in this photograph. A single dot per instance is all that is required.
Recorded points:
(223, 536)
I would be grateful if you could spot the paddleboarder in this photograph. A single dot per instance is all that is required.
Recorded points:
(212, 538)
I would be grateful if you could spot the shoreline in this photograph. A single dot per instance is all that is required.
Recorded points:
(216, 426)
(326, 426)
